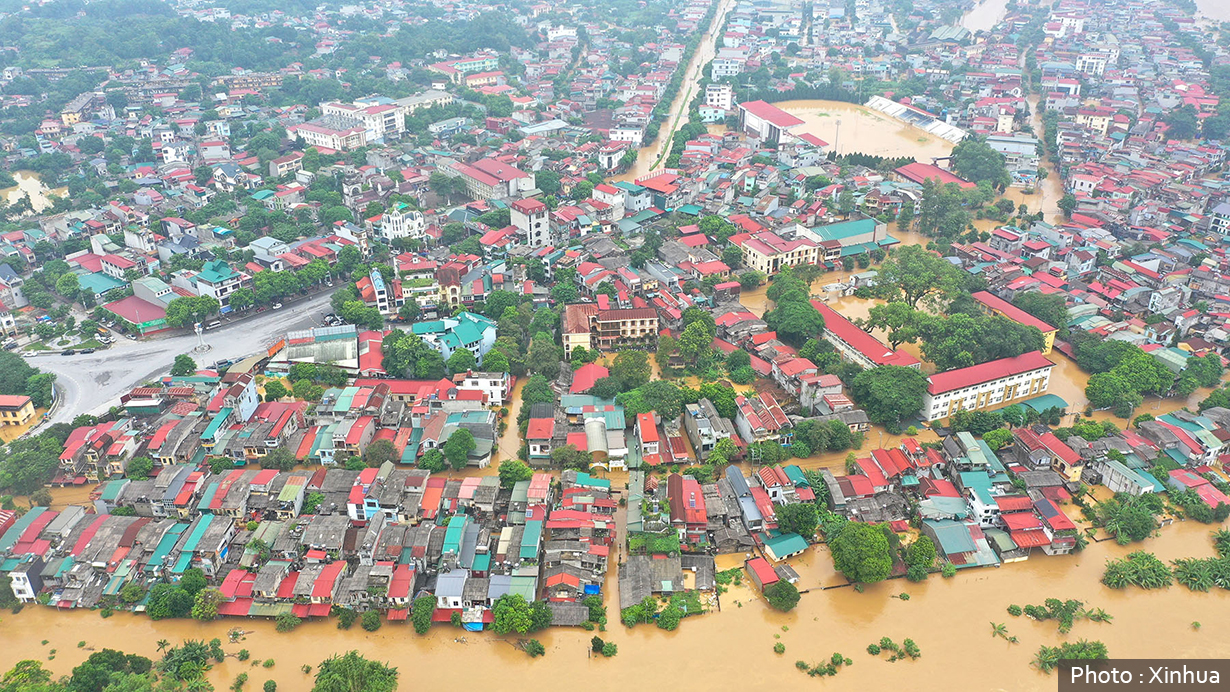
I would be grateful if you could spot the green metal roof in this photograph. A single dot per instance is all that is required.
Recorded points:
(530, 539)
(165, 545)
(19, 527)
(214, 425)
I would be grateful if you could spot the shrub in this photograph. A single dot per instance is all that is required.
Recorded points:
(1014, 610)
(345, 618)
(244, 655)
(269, 663)
(779, 648)
(287, 622)
(609, 649)
(535, 648)
(271, 686)
(371, 621)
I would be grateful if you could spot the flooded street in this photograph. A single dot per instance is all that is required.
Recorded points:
(948, 618)
(864, 130)
(28, 183)
(650, 156)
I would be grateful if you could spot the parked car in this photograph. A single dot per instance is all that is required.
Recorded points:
(68, 352)
(10, 345)
(87, 350)
(277, 306)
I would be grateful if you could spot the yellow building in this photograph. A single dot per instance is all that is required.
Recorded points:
(768, 252)
(16, 410)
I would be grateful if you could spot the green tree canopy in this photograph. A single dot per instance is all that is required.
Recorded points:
(861, 552)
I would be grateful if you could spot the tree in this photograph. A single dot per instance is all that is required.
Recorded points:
(921, 553)
(188, 310)
(782, 595)
(631, 369)
(378, 452)
(861, 552)
(917, 273)
(513, 471)
(890, 394)
(997, 438)
(799, 517)
(973, 159)
(795, 319)
(495, 361)
(139, 468)
(1067, 204)
(279, 458)
(407, 355)
(205, 607)
(899, 320)
(274, 390)
(543, 357)
(68, 285)
(458, 447)
(354, 673)
(420, 613)
(547, 181)
(432, 460)
(242, 299)
(371, 620)
(462, 360)
(1182, 123)
(512, 614)
(183, 365)
(1052, 309)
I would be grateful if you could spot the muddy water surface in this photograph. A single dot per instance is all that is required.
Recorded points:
(949, 620)
(28, 183)
(985, 15)
(864, 130)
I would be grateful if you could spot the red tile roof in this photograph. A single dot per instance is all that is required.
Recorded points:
(986, 372)
(1011, 311)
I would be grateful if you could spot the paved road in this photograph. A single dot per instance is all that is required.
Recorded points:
(93, 383)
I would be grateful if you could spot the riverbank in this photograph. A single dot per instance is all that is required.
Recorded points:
(948, 618)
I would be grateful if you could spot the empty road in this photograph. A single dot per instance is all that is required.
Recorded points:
(92, 383)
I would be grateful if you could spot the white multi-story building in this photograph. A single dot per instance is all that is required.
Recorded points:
(331, 135)
(402, 222)
(379, 117)
(720, 96)
(530, 218)
(632, 135)
(987, 385)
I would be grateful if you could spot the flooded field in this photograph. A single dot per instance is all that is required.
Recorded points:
(28, 183)
(864, 130)
(1214, 9)
(947, 618)
(985, 15)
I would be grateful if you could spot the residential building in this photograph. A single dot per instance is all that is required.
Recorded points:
(986, 385)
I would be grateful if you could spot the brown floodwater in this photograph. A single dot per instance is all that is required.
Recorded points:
(848, 127)
(28, 183)
(985, 15)
(948, 619)
(1214, 9)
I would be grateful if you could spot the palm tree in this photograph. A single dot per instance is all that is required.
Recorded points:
(163, 644)
(999, 630)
